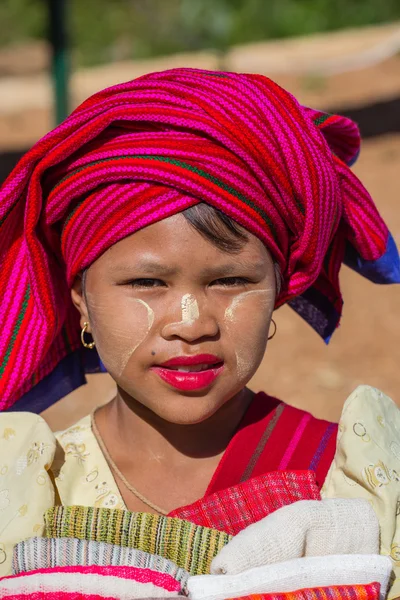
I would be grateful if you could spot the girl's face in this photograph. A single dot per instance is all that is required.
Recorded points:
(180, 325)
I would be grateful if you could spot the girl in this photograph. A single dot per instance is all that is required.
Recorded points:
(153, 233)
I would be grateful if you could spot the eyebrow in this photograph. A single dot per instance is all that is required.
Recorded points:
(231, 269)
(156, 268)
(145, 265)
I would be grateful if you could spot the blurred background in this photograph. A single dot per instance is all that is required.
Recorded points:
(336, 55)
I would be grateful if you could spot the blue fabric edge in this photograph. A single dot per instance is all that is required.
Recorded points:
(317, 311)
(68, 375)
(384, 271)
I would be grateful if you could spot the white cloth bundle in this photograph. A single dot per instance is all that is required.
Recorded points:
(305, 528)
(300, 573)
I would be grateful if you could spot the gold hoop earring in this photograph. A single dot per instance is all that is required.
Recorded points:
(275, 328)
(89, 345)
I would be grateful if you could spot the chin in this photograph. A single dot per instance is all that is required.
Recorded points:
(181, 409)
(187, 411)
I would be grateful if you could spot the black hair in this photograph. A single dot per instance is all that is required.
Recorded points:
(217, 227)
(222, 231)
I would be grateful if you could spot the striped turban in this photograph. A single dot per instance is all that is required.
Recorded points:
(141, 151)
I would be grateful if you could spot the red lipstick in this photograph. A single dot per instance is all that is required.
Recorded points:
(190, 373)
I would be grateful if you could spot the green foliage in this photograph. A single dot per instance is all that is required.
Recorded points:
(21, 20)
(106, 30)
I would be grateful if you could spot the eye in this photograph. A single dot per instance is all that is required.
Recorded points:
(145, 283)
(230, 281)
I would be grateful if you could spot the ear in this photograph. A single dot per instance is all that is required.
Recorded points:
(79, 300)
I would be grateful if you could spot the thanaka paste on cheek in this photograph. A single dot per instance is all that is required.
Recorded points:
(253, 307)
(144, 333)
(119, 338)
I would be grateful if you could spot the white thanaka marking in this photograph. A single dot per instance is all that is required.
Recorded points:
(150, 312)
(244, 364)
(150, 321)
(230, 311)
(127, 337)
(190, 309)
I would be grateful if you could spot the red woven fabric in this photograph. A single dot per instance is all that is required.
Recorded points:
(333, 592)
(237, 507)
(275, 437)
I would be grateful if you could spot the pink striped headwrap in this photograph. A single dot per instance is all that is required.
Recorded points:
(141, 151)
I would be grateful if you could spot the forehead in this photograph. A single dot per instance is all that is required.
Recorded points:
(174, 241)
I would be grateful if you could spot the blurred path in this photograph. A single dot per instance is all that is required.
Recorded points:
(295, 63)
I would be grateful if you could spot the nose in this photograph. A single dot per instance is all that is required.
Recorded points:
(195, 321)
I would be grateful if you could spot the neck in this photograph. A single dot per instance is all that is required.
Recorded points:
(141, 431)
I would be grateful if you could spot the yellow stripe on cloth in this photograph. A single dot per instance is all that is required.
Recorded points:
(190, 546)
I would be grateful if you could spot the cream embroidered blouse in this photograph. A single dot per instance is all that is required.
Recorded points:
(39, 469)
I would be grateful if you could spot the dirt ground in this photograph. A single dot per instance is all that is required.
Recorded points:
(298, 367)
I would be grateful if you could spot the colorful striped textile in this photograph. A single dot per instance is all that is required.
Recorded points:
(124, 583)
(47, 553)
(147, 149)
(235, 508)
(275, 437)
(189, 546)
(333, 592)
(75, 596)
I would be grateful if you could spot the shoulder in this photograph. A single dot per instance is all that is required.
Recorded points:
(269, 405)
(367, 464)
(83, 475)
(371, 403)
(289, 438)
(27, 448)
(27, 445)
(73, 442)
(19, 430)
(369, 430)
(75, 433)
(291, 419)
(368, 444)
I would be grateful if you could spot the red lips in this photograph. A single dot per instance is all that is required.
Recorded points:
(198, 359)
(190, 380)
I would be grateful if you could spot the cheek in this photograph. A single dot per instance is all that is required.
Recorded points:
(246, 323)
(119, 330)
